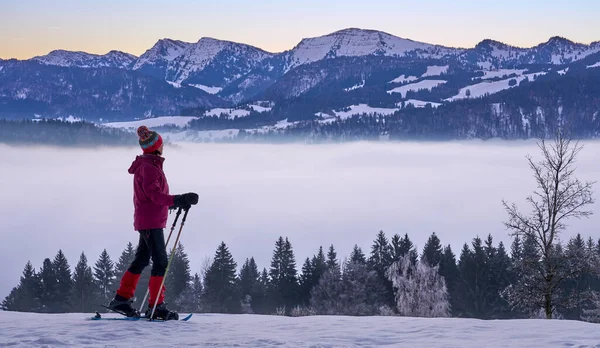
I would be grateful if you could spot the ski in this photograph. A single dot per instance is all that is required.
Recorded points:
(99, 317)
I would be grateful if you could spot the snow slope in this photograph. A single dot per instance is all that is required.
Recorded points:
(354, 42)
(216, 330)
(419, 103)
(425, 84)
(487, 87)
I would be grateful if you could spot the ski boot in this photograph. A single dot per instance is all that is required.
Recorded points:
(162, 312)
(123, 306)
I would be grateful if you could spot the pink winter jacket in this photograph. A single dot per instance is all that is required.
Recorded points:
(151, 197)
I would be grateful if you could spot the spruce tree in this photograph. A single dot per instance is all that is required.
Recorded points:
(64, 283)
(332, 261)
(48, 287)
(251, 289)
(125, 260)
(179, 277)
(380, 260)
(190, 298)
(396, 250)
(306, 281)
(357, 255)
(500, 277)
(104, 274)
(432, 252)
(449, 270)
(326, 296)
(84, 295)
(363, 292)
(220, 293)
(283, 287)
(25, 296)
(406, 246)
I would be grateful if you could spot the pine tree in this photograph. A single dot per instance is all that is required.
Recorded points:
(306, 281)
(84, 296)
(578, 288)
(179, 277)
(357, 255)
(190, 298)
(421, 291)
(396, 247)
(473, 286)
(220, 284)
(432, 252)
(251, 289)
(332, 260)
(104, 274)
(449, 270)
(24, 297)
(326, 296)
(125, 260)
(500, 277)
(363, 292)
(406, 246)
(48, 287)
(283, 287)
(380, 260)
(64, 282)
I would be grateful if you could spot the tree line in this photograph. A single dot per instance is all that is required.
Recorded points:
(392, 279)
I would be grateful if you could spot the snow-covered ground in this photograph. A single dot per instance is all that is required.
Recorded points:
(216, 330)
(231, 112)
(490, 87)
(208, 89)
(364, 109)
(595, 65)
(490, 74)
(178, 121)
(425, 84)
(436, 70)
(403, 78)
(419, 103)
(357, 86)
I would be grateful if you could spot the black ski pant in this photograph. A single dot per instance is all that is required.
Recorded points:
(151, 245)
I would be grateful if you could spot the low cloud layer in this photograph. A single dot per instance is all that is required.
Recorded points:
(81, 200)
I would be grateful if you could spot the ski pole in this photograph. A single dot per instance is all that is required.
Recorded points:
(167, 243)
(169, 264)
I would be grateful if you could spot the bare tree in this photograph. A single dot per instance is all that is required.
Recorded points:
(558, 197)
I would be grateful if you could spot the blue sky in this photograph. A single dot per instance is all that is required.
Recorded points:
(34, 27)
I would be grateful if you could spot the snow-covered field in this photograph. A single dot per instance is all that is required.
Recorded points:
(425, 84)
(490, 87)
(217, 330)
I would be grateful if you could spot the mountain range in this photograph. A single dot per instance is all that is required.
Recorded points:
(332, 77)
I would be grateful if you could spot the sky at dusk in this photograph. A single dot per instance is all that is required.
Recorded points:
(36, 27)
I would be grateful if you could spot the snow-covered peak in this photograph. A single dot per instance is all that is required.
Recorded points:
(163, 51)
(113, 59)
(204, 52)
(354, 42)
(558, 50)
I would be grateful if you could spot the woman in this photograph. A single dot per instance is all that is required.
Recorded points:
(152, 201)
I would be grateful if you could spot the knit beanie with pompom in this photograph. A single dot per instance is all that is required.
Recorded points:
(150, 141)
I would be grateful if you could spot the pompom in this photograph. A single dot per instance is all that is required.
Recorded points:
(143, 132)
